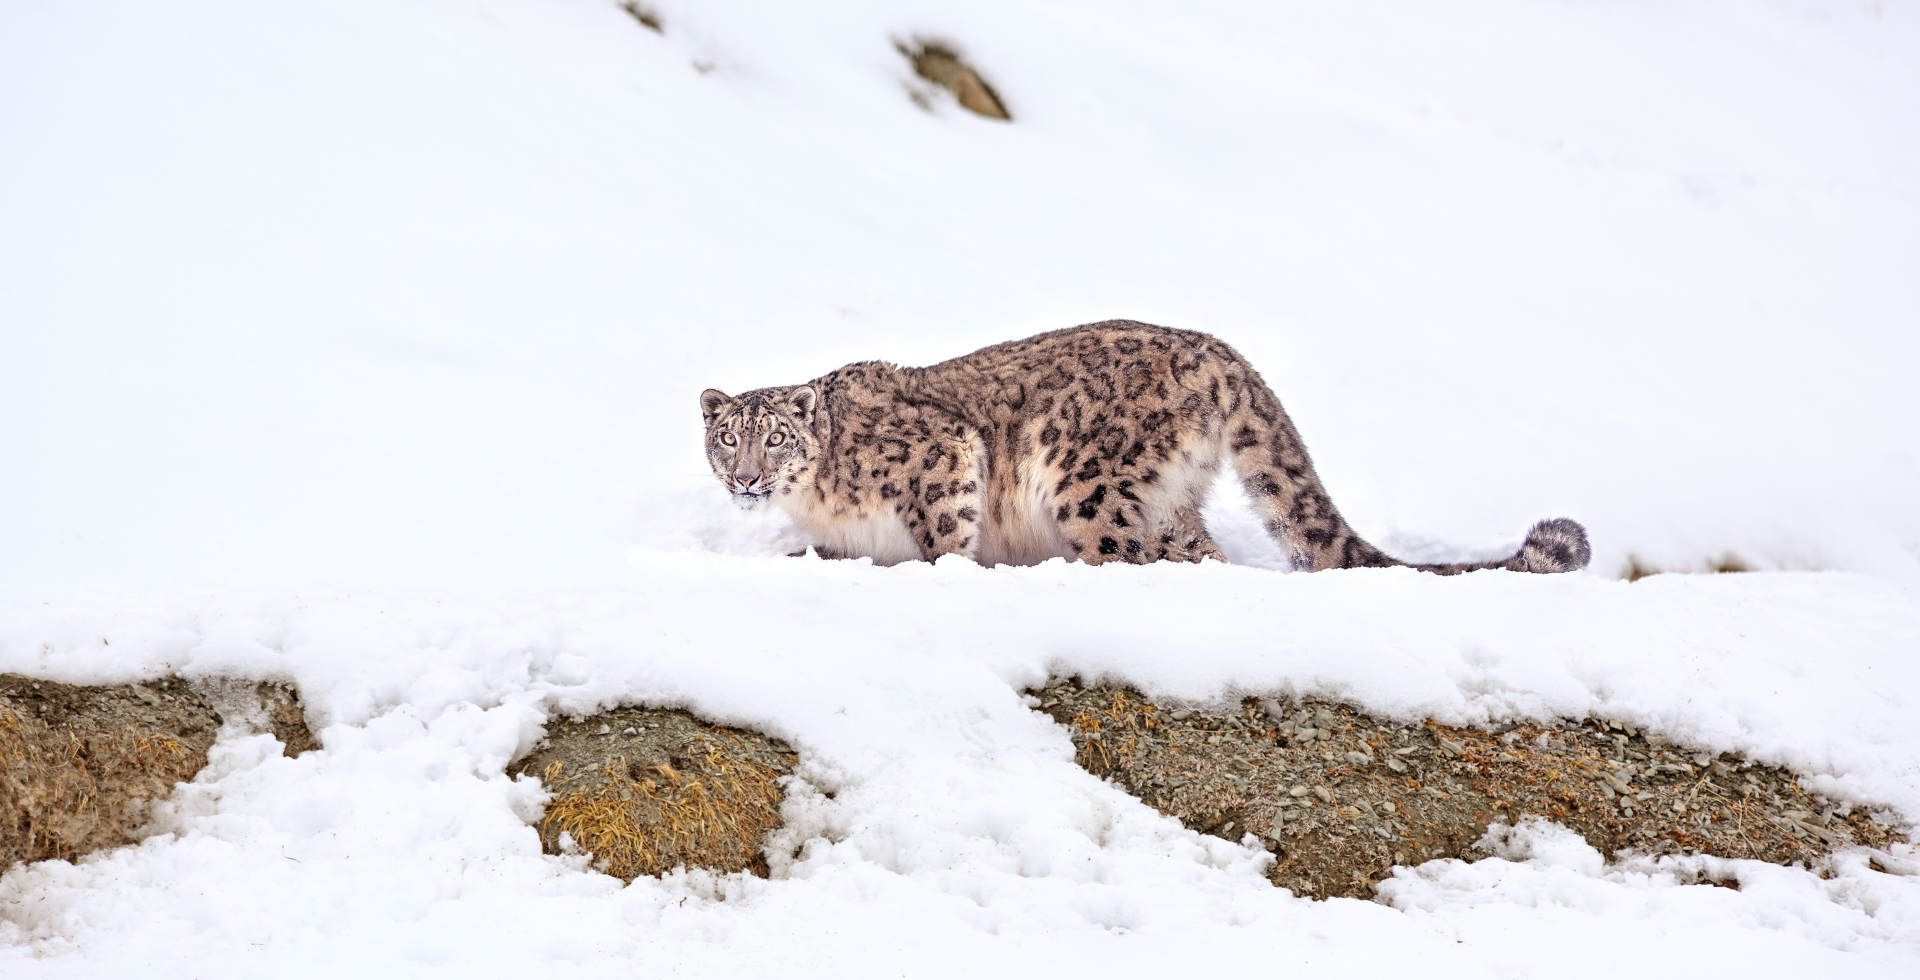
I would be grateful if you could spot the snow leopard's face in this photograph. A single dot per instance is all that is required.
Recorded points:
(761, 442)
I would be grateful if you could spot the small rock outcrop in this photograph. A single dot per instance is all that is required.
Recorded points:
(1340, 797)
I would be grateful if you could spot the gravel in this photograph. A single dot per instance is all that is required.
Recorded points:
(1340, 797)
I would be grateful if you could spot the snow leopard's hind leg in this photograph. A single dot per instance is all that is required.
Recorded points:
(1140, 508)
(1185, 538)
(1183, 532)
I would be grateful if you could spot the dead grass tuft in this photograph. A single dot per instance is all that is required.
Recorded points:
(941, 64)
(647, 16)
(646, 791)
(80, 765)
(1724, 565)
(74, 780)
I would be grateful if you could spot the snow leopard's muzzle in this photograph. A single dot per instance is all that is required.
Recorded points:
(749, 490)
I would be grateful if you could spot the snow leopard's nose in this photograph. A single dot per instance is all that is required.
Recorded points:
(746, 482)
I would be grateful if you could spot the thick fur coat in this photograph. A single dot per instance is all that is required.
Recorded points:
(1096, 443)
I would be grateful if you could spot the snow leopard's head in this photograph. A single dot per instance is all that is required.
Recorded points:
(762, 442)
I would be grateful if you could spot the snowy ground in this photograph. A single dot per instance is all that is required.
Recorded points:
(356, 344)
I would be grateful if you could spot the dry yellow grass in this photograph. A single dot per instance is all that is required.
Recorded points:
(79, 765)
(690, 795)
(80, 781)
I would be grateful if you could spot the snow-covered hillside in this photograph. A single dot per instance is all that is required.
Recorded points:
(357, 344)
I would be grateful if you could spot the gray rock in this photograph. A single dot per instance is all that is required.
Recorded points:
(1359, 758)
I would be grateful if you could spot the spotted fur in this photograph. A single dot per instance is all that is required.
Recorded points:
(1096, 443)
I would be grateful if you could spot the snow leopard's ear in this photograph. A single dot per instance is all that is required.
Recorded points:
(803, 400)
(712, 401)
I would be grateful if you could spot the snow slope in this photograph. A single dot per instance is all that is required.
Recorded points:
(356, 344)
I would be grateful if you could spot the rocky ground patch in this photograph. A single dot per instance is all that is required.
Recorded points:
(645, 791)
(80, 765)
(1340, 798)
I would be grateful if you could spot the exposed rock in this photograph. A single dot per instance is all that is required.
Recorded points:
(1306, 778)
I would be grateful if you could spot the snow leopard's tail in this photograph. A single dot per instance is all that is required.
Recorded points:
(1556, 544)
(1272, 462)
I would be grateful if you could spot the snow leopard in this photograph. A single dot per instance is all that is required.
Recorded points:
(1096, 443)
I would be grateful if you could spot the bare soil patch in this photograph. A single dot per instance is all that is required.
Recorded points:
(1340, 797)
(79, 766)
(645, 791)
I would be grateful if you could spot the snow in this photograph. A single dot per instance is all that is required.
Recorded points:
(357, 344)
(1658, 915)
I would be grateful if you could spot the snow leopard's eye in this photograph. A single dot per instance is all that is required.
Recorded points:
(776, 439)
(727, 439)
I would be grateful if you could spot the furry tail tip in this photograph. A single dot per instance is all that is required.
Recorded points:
(1556, 545)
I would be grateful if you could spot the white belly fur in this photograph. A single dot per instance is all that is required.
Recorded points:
(1026, 533)
(881, 535)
